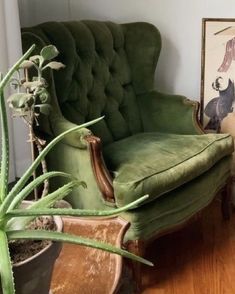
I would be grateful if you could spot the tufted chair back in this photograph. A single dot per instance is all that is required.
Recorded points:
(107, 66)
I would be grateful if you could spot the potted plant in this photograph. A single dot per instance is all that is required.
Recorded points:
(15, 220)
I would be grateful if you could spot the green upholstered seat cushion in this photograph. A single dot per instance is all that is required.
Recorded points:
(156, 163)
(177, 206)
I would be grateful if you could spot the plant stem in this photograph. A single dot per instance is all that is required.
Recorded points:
(44, 168)
(31, 135)
(31, 139)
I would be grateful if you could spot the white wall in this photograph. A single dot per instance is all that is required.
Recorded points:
(179, 22)
(22, 157)
(10, 51)
(3, 68)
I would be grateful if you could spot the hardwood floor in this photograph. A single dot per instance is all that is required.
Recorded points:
(199, 259)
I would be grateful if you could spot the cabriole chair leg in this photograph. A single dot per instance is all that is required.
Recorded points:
(136, 247)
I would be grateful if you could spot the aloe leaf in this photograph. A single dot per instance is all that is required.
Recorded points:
(57, 195)
(20, 184)
(14, 202)
(7, 280)
(63, 237)
(4, 126)
(5, 149)
(46, 201)
(73, 212)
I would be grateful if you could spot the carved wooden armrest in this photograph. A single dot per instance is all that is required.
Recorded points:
(103, 177)
(196, 120)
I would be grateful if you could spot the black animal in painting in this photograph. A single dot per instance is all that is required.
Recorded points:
(218, 107)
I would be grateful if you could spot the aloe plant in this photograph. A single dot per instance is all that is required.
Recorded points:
(14, 219)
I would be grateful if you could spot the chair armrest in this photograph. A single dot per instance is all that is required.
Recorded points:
(102, 175)
(169, 113)
(75, 139)
(83, 139)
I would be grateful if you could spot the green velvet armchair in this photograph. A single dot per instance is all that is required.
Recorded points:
(147, 143)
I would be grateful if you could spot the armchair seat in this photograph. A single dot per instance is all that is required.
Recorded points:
(155, 163)
(177, 206)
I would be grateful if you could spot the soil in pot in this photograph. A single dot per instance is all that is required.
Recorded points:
(20, 250)
(34, 260)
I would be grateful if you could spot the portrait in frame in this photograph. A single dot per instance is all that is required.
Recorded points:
(218, 71)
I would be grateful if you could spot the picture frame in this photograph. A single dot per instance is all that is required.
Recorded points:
(217, 71)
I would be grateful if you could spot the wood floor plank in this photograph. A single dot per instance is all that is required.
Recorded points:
(199, 259)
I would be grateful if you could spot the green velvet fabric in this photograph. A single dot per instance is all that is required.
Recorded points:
(102, 74)
(168, 113)
(155, 163)
(150, 139)
(177, 206)
(70, 159)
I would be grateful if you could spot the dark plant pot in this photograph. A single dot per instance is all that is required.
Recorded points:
(33, 275)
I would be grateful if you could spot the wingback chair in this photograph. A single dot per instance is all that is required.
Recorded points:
(147, 143)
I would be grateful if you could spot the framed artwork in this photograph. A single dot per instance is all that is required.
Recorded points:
(218, 71)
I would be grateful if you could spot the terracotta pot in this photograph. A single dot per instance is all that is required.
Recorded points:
(33, 275)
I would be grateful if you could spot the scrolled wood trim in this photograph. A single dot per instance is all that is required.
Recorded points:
(195, 115)
(103, 177)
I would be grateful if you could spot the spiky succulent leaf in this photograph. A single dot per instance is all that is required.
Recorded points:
(7, 280)
(47, 201)
(20, 184)
(4, 126)
(15, 201)
(73, 211)
(50, 199)
(63, 237)
(5, 149)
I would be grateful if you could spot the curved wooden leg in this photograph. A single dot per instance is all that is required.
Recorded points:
(136, 247)
(226, 200)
